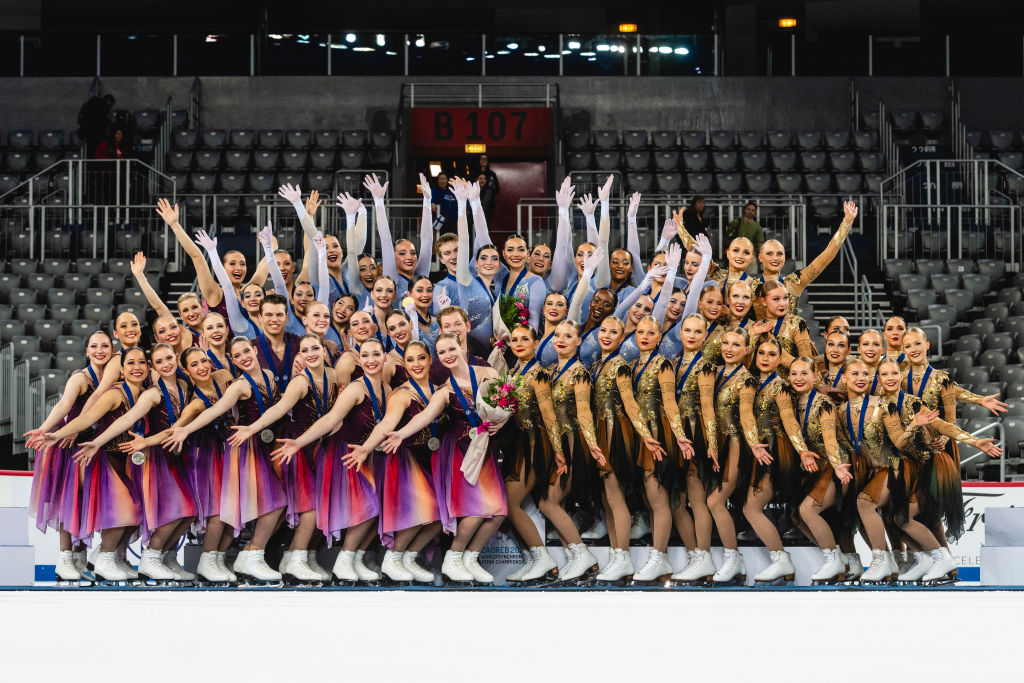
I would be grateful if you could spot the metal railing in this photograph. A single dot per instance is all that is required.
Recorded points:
(961, 150)
(1000, 437)
(478, 94)
(6, 381)
(194, 104)
(951, 231)
(953, 181)
(163, 140)
(887, 140)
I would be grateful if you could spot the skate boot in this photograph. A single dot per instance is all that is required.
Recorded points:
(582, 568)
(393, 570)
(638, 528)
(732, 571)
(655, 572)
(170, 560)
(344, 568)
(298, 572)
(419, 574)
(257, 572)
(833, 570)
(544, 568)
(881, 569)
(283, 564)
(107, 571)
(311, 562)
(153, 571)
(362, 571)
(454, 571)
(81, 561)
(916, 571)
(121, 558)
(779, 572)
(699, 572)
(903, 559)
(690, 554)
(223, 564)
(595, 532)
(943, 570)
(619, 569)
(516, 577)
(209, 572)
(471, 563)
(66, 572)
(854, 567)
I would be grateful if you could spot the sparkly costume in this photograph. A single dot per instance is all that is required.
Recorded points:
(734, 402)
(649, 400)
(526, 441)
(695, 390)
(778, 428)
(570, 393)
(299, 475)
(615, 433)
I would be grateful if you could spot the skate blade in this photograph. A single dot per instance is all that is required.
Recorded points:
(213, 584)
(663, 581)
(738, 580)
(585, 579)
(703, 582)
(344, 583)
(388, 582)
(786, 580)
(944, 581)
(290, 580)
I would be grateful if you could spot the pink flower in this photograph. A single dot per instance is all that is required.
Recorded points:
(502, 402)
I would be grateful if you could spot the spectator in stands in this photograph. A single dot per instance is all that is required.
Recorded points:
(114, 147)
(693, 217)
(489, 188)
(746, 226)
(445, 205)
(93, 121)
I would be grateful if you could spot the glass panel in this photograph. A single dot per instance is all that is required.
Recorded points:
(213, 54)
(60, 53)
(136, 54)
(367, 54)
(509, 55)
(898, 56)
(598, 55)
(444, 55)
(294, 54)
(10, 54)
(677, 55)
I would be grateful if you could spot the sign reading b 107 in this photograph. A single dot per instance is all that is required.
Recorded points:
(506, 131)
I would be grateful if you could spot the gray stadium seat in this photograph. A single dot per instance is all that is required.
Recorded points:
(977, 284)
(818, 183)
(58, 296)
(321, 182)
(903, 120)
(21, 295)
(663, 139)
(698, 183)
(932, 120)
(82, 328)
(326, 139)
(729, 183)
(958, 360)
(943, 281)
(975, 375)
(970, 343)
(750, 139)
(39, 281)
(865, 140)
(722, 139)
(270, 139)
(1001, 140)
(997, 311)
(637, 161)
(207, 160)
(298, 139)
(23, 266)
(293, 160)
(236, 159)
(779, 139)
(634, 139)
(960, 299)
(670, 183)
(578, 161)
(382, 140)
(1014, 160)
(20, 139)
(837, 139)
(783, 161)
(930, 267)
(97, 296)
(813, 162)
(789, 183)
(97, 312)
(921, 299)
(1003, 341)
(242, 139)
(62, 313)
(350, 158)
(849, 183)
(577, 139)
(30, 313)
(265, 159)
(983, 326)
(895, 267)
(873, 182)
(870, 161)
(185, 139)
(989, 358)
(68, 361)
(1011, 374)
(179, 160)
(842, 161)
(808, 139)
(666, 161)
(973, 243)
(9, 329)
(961, 266)
(607, 161)
(639, 182)
(692, 139)
(759, 183)
(723, 160)
(9, 281)
(202, 182)
(231, 182)
(214, 138)
(695, 161)
(322, 160)
(1015, 325)
(606, 139)
(755, 160)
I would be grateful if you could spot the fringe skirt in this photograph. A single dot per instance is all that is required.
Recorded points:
(407, 495)
(456, 497)
(249, 486)
(110, 499)
(204, 464)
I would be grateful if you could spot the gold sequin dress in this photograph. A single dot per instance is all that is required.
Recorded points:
(615, 433)
(570, 393)
(526, 441)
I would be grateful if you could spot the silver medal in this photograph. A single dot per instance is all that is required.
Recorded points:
(433, 443)
(267, 435)
(138, 457)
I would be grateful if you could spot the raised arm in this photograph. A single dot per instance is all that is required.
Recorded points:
(236, 318)
(426, 254)
(387, 246)
(815, 267)
(562, 260)
(462, 272)
(266, 239)
(139, 273)
(588, 206)
(633, 238)
(703, 247)
(323, 287)
(483, 233)
(641, 290)
(580, 295)
(211, 291)
(355, 214)
(672, 258)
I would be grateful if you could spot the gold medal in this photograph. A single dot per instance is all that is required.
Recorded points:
(407, 302)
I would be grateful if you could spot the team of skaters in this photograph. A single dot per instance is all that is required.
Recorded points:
(336, 407)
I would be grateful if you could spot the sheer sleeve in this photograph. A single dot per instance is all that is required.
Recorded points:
(661, 305)
(827, 418)
(236, 318)
(813, 269)
(482, 235)
(624, 381)
(538, 292)
(426, 255)
(784, 402)
(387, 246)
(706, 387)
(542, 390)
(633, 247)
(747, 422)
(604, 273)
(628, 302)
(693, 297)
(561, 260)
(323, 287)
(667, 383)
(578, 297)
(462, 272)
(581, 388)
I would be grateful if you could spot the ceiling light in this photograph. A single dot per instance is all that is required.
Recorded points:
(603, 48)
(530, 54)
(350, 37)
(380, 39)
(504, 52)
(420, 41)
(682, 51)
(665, 50)
(787, 22)
(627, 28)
(435, 168)
(574, 44)
(363, 49)
(513, 46)
(541, 48)
(587, 54)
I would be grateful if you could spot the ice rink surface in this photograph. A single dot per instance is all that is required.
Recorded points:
(286, 636)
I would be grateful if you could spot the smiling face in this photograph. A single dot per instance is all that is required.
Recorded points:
(583, 252)
(893, 332)
(405, 257)
(540, 260)
(317, 319)
(739, 300)
(371, 359)
(164, 362)
(361, 326)
(234, 264)
(772, 257)
(335, 254)
(692, 332)
(837, 348)
(417, 362)
(710, 303)
(648, 334)
(99, 349)
(400, 329)
(641, 309)
(166, 329)
(302, 297)
(916, 347)
(602, 305)
(767, 358)
(312, 352)
(367, 271)
(676, 304)
(190, 311)
(285, 263)
(566, 340)
(522, 343)
(198, 367)
(134, 367)
(555, 307)
(858, 378)
(621, 265)
(273, 318)
(840, 324)
(343, 309)
(252, 295)
(801, 376)
(740, 254)
(870, 347)
(515, 253)
(890, 376)
(448, 254)
(449, 352)
(776, 302)
(610, 335)
(691, 264)
(734, 347)
(383, 293)
(127, 330)
(423, 294)
(215, 330)
(243, 355)
(488, 262)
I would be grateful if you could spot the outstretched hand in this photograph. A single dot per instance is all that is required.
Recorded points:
(348, 203)
(205, 241)
(266, 236)
(703, 245)
(166, 211)
(139, 265)
(371, 183)
(591, 262)
(565, 194)
(605, 191)
(674, 256)
(587, 205)
(290, 194)
(425, 189)
(849, 212)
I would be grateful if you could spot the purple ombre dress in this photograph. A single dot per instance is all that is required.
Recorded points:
(300, 474)
(250, 488)
(204, 464)
(345, 497)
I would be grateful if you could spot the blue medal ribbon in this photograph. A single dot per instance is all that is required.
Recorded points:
(726, 283)
(341, 287)
(519, 372)
(778, 326)
(899, 402)
(282, 375)
(213, 359)
(423, 395)
(601, 364)
(490, 294)
(257, 394)
(689, 369)
(168, 404)
(638, 377)
(374, 403)
(384, 339)
(92, 375)
(924, 381)
(874, 383)
(807, 410)
(140, 424)
(835, 382)
(860, 429)
(719, 383)
(568, 364)
(901, 357)
(470, 411)
(204, 398)
(766, 382)
(543, 343)
(319, 401)
(515, 285)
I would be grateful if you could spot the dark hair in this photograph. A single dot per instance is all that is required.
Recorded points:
(750, 202)
(239, 339)
(524, 326)
(272, 300)
(417, 342)
(484, 248)
(696, 198)
(183, 359)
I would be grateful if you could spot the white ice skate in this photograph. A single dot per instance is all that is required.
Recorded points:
(472, 564)
(854, 567)
(106, 569)
(619, 568)
(153, 571)
(81, 561)
(597, 531)
(170, 560)
(66, 569)
(364, 572)
(638, 528)
(922, 562)
(700, 570)
(943, 569)
(881, 569)
(453, 570)
(781, 568)
(657, 570)
(344, 567)
(419, 574)
(834, 568)
(393, 569)
(209, 570)
(732, 570)
(544, 567)
(312, 563)
(258, 572)
(223, 564)
(298, 571)
(582, 563)
(517, 575)
(283, 564)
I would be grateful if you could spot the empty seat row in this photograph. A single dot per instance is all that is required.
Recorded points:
(18, 161)
(907, 120)
(996, 140)
(722, 140)
(758, 183)
(811, 162)
(65, 318)
(975, 282)
(276, 139)
(993, 268)
(258, 183)
(272, 160)
(46, 139)
(89, 267)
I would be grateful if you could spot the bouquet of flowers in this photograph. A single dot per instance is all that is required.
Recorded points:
(509, 310)
(513, 310)
(497, 401)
